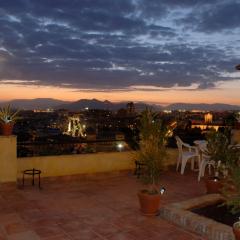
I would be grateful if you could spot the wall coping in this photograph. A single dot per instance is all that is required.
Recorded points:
(180, 214)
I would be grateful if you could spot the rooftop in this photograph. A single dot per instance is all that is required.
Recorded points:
(101, 207)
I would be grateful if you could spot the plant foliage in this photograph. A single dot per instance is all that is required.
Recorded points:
(7, 115)
(217, 146)
(231, 188)
(152, 151)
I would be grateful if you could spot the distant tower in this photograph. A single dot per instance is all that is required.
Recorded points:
(130, 108)
(208, 118)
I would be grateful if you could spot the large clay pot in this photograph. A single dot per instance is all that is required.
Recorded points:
(236, 230)
(213, 185)
(149, 203)
(6, 129)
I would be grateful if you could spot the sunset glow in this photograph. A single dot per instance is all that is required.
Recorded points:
(224, 93)
(122, 50)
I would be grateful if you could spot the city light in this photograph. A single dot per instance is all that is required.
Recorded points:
(120, 146)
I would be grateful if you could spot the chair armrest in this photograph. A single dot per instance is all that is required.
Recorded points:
(186, 145)
(195, 149)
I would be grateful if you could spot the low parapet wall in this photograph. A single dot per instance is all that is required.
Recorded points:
(63, 165)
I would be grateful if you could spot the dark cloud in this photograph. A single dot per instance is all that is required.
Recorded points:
(114, 44)
(223, 15)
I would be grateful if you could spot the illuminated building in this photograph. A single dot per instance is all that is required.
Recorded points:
(208, 118)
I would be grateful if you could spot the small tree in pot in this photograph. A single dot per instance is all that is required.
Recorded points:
(152, 153)
(217, 150)
(7, 120)
(231, 187)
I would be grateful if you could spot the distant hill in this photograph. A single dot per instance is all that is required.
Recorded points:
(44, 103)
(203, 106)
(97, 104)
(37, 103)
(89, 103)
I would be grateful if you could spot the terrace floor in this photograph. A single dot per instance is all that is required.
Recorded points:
(96, 208)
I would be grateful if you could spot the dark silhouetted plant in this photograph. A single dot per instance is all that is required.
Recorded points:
(152, 151)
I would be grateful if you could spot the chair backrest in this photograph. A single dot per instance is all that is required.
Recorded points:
(179, 144)
(203, 150)
(203, 147)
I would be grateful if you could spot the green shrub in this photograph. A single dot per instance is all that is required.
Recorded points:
(152, 151)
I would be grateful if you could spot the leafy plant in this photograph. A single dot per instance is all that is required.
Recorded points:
(218, 150)
(217, 145)
(231, 187)
(7, 115)
(152, 151)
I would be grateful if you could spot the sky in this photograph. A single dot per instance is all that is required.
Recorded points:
(158, 51)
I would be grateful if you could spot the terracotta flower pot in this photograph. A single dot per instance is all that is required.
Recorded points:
(236, 230)
(6, 129)
(149, 203)
(213, 185)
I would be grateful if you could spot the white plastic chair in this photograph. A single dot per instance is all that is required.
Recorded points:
(205, 161)
(186, 152)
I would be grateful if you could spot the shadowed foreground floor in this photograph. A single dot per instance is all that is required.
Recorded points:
(96, 208)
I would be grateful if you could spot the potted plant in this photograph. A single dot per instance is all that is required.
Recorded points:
(217, 151)
(236, 229)
(152, 153)
(231, 187)
(231, 192)
(7, 120)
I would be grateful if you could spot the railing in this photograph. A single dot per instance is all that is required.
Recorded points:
(67, 148)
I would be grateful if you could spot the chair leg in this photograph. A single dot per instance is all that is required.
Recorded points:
(199, 162)
(178, 163)
(201, 170)
(184, 162)
(200, 173)
(192, 163)
(209, 169)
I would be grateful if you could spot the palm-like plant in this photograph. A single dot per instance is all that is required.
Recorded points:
(217, 145)
(231, 187)
(231, 191)
(8, 116)
(218, 150)
(152, 152)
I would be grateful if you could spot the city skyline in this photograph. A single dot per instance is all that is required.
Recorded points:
(138, 50)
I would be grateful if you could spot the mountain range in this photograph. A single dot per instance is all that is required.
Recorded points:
(203, 106)
(37, 103)
(44, 103)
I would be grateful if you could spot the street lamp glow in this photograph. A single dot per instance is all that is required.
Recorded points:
(120, 146)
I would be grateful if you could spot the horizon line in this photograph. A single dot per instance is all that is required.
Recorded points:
(121, 101)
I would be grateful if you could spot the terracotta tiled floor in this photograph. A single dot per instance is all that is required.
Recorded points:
(102, 208)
